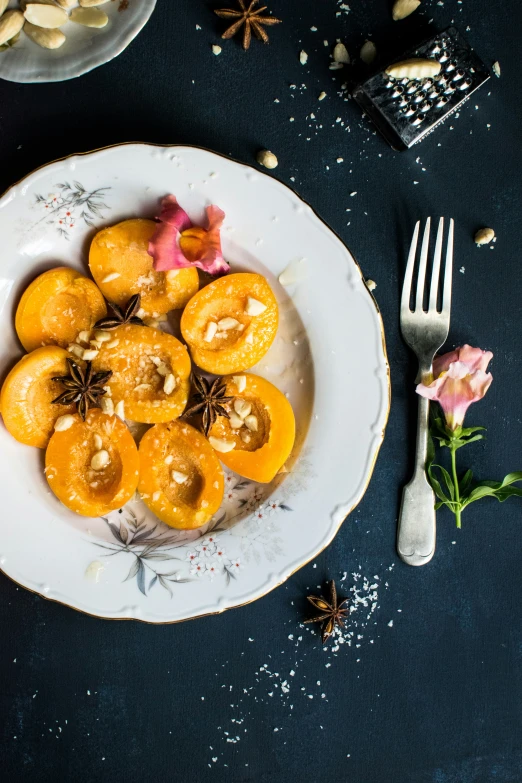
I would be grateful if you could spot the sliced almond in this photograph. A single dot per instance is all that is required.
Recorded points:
(100, 460)
(112, 343)
(254, 307)
(108, 391)
(111, 277)
(267, 159)
(235, 421)
(249, 338)
(66, 3)
(228, 323)
(76, 350)
(179, 477)
(242, 408)
(10, 25)
(210, 331)
(251, 423)
(63, 423)
(3, 6)
(221, 445)
(119, 410)
(415, 68)
(162, 369)
(47, 39)
(156, 496)
(496, 69)
(142, 387)
(98, 443)
(102, 335)
(46, 16)
(169, 383)
(91, 3)
(403, 8)
(245, 437)
(90, 354)
(89, 17)
(84, 336)
(107, 405)
(240, 381)
(169, 459)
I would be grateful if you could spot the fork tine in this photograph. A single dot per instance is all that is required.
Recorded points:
(422, 266)
(435, 274)
(408, 275)
(448, 272)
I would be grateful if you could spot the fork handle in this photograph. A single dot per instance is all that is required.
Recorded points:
(416, 533)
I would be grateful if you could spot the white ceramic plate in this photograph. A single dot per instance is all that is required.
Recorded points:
(84, 49)
(329, 357)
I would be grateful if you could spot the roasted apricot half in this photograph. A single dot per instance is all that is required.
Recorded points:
(28, 392)
(122, 267)
(259, 436)
(150, 373)
(55, 307)
(181, 479)
(231, 323)
(92, 466)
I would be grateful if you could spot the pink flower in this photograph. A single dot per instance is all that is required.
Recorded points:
(177, 243)
(460, 378)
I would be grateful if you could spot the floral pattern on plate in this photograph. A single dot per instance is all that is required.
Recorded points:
(167, 557)
(71, 204)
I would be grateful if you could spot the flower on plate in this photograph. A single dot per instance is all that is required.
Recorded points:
(206, 550)
(260, 513)
(230, 494)
(272, 508)
(459, 379)
(192, 556)
(211, 570)
(198, 569)
(220, 553)
(235, 565)
(177, 243)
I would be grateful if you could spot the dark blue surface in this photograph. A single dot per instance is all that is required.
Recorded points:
(434, 697)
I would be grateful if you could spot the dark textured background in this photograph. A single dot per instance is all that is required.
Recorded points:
(435, 698)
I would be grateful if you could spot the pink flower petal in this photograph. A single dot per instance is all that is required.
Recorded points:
(173, 214)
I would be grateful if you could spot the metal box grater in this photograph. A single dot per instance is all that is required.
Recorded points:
(406, 110)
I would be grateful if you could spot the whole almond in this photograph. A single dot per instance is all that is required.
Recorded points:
(403, 8)
(89, 17)
(47, 39)
(48, 16)
(91, 3)
(484, 236)
(10, 25)
(66, 3)
(3, 6)
(368, 52)
(416, 68)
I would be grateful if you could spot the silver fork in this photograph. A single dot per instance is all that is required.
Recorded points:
(425, 332)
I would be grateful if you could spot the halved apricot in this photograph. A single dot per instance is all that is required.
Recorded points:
(122, 267)
(56, 306)
(150, 372)
(93, 466)
(27, 394)
(181, 479)
(231, 323)
(259, 436)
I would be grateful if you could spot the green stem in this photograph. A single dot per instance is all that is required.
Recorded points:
(456, 484)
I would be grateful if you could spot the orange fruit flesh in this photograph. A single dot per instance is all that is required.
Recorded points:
(257, 455)
(55, 307)
(135, 379)
(181, 448)
(27, 393)
(75, 483)
(122, 267)
(236, 349)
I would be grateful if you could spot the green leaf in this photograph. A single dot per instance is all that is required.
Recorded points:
(465, 431)
(508, 492)
(511, 478)
(435, 484)
(447, 480)
(458, 444)
(465, 482)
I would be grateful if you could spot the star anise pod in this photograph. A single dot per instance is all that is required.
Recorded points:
(209, 400)
(252, 19)
(332, 613)
(121, 315)
(82, 387)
